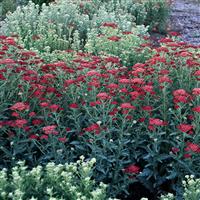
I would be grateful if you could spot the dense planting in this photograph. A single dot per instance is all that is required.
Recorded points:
(141, 123)
(82, 79)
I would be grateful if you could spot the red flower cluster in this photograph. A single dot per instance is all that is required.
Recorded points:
(132, 169)
(185, 128)
(19, 106)
(109, 24)
(50, 130)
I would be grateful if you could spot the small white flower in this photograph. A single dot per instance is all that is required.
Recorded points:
(99, 122)
(49, 190)
(3, 194)
(59, 150)
(82, 157)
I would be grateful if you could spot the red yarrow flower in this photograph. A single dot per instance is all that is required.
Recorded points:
(185, 128)
(73, 105)
(112, 86)
(93, 128)
(196, 91)
(45, 137)
(50, 129)
(124, 81)
(127, 106)
(196, 109)
(15, 114)
(2, 77)
(147, 108)
(20, 123)
(62, 139)
(157, 122)
(164, 79)
(44, 104)
(192, 147)
(132, 169)
(180, 92)
(114, 38)
(197, 73)
(103, 96)
(33, 137)
(54, 107)
(32, 114)
(94, 103)
(20, 106)
(37, 121)
(7, 61)
(175, 150)
(109, 24)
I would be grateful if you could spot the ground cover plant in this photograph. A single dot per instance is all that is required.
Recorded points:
(140, 123)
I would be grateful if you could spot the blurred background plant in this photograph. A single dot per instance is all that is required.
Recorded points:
(7, 6)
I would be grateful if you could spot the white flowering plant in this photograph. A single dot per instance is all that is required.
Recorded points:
(130, 46)
(53, 182)
(65, 24)
(191, 189)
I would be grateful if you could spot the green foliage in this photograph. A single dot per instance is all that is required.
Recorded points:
(7, 6)
(153, 13)
(157, 14)
(40, 2)
(141, 123)
(64, 181)
(125, 45)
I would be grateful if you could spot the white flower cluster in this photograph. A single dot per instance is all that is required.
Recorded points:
(191, 187)
(63, 181)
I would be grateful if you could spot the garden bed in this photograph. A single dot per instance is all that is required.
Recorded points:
(86, 86)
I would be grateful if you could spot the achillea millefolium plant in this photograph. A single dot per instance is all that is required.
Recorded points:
(140, 123)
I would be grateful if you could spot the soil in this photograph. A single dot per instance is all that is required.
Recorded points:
(185, 18)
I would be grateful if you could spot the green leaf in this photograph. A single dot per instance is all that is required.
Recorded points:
(172, 175)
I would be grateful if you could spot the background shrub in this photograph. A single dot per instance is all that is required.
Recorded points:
(110, 40)
(56, 26)
(7, 6)
(65, 22)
